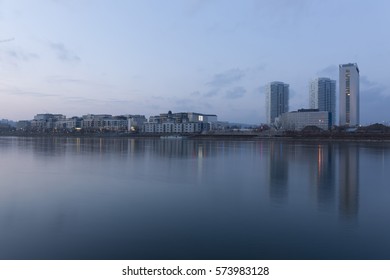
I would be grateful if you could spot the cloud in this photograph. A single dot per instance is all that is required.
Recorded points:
(211, 93)
(282, 12)
(223, 83)
(374, 101)
(195, 7)
(63, 53)
(117, 100)
(331, 71)
(235, 93)
(157, 97)
(62, 80)
(27, 93)
(189, 105)
(366, 83)
(74, 81)
(96, 101)
(195, 93)
(374, 107)
(297, 100)
(258, 91)
(78, 99)
(226, 78)
(21, 55)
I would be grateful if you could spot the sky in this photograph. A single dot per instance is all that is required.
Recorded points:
(147, 57)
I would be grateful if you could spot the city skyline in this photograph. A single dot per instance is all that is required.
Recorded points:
(144, 57)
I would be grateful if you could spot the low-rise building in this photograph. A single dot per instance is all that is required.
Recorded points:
(149, 127)
(46, 121)
(68, 124)
(192, 127)
(159, 128)
(180, 123)
(178, 128)
(93, 122)
(197, 117)
(135, 122)
(23, 125)
(297, 120)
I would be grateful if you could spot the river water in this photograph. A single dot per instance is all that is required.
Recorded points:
(105, 198)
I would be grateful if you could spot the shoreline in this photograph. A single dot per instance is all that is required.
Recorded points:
(226, 136)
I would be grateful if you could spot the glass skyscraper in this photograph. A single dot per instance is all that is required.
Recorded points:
(277, 98)
(323, 96)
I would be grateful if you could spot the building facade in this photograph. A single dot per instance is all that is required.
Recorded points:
(135, 122)
(298, 120)
(349, 110)
(173, 123)
(323, 95)
(105, 123)
(277, 100)
(46, 121)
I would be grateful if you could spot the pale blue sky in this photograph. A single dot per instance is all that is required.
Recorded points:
(147, 57)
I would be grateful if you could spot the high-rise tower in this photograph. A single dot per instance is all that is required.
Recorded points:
(323, 96)
(349, 94)
(277, 95)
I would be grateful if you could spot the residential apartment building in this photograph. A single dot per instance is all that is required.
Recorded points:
(135, 122)
(68, 123)
(46, 121)
(277, 100)
(173, 123)
(323, 95)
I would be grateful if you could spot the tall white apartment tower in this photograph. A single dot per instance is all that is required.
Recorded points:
(277, 95)
(323, 96)
(349, 94)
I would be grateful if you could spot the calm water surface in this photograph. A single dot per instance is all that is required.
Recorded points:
(192, 199)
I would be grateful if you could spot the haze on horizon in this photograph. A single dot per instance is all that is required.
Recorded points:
(147, 57)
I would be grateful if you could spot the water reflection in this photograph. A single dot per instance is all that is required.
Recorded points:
(54, 147)
(323, 174)
(123, 198)
(278, 171)
(319, 163)
(349, 180)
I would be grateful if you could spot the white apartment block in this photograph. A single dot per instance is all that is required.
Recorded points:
(188, 127)
(46, 121)
(149, 127)
(175, 123)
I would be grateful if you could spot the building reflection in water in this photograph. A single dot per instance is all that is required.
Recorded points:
(200, 163)
(326, 179)
(331, 166)
(333, 173)
(349, 180)
(278, 171)
(323, 175)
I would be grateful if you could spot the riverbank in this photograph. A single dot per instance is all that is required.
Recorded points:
(334, 136)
